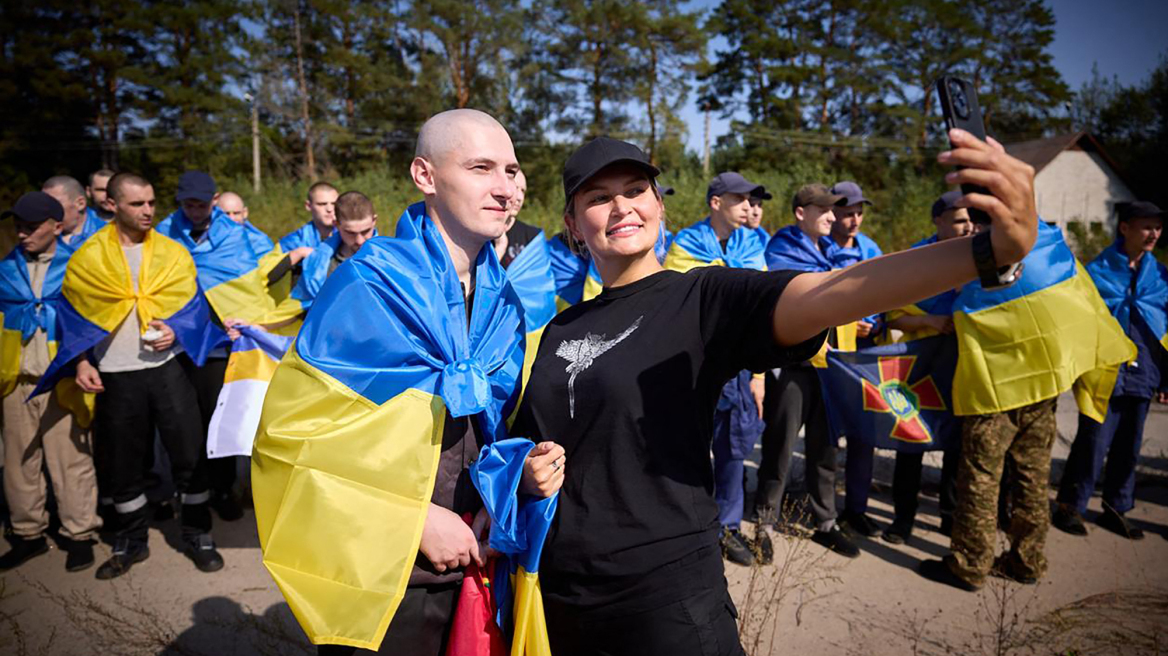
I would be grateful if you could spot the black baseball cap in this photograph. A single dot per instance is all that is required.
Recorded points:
(851, 192)
(195, 185)
(35, 207)
(1138, 209)
(602, 152)
(947, 201)
(730, 182)
(816, 194)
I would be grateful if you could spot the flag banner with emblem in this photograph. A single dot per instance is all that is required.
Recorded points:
(97, 295)
(23, 313)
(1033, 340)
(233, 263)
(897, 396)
(698, 246)
(253, 360)
(353, 419)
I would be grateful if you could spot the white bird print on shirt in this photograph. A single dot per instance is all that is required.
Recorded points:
(581, 353)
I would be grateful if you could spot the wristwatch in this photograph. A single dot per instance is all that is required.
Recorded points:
(991, 275)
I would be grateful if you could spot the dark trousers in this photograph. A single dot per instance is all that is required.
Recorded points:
(133, 406)
(420, 627)
(859, 463)
(699, 620)
(208, 380)
(906, 483)
(792, 401)
(1117, 441)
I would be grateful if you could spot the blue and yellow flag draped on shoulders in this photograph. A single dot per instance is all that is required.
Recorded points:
(89, 227)
(574, 276)
(232, 263)
(1143, 290)
(22, 313)
(698, 246)
(97, 294)
(530, 274)
(305, 235)
(351, 431)
(1033, 340)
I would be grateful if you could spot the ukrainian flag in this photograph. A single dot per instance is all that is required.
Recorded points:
(1031, 341)
(313, 272)
(575, 277)
(351, 430)
(91, 224)
(305, 235)
(531, 278)
(792, 250)
(253, 360)
(698, 246)
(22, 313)
(941, 304)
(233, 263)
(97, 295)
(1143, 290)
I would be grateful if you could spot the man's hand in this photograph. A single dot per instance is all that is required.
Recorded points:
(447, 541)
(863, 329)
(167, 339)
(758, 391)
(232, 326)
(299, 254)
(88, 379)
(543, 471)
(1010, 181)
(942, 323)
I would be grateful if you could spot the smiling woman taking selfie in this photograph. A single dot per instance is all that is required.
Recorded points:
(628, 381)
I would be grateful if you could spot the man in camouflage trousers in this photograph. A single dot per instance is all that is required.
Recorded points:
(1027, 434)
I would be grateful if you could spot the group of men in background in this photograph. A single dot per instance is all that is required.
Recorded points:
(126, 340)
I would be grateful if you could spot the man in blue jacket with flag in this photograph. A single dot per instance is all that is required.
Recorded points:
(1135, 287)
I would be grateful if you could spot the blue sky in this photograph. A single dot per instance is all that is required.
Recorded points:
(1126, 38)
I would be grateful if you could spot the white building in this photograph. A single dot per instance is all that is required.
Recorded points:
(1076, 181)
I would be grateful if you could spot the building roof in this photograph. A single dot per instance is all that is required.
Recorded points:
(1040, 152)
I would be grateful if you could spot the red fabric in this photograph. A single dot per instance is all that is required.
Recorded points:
(474, 632)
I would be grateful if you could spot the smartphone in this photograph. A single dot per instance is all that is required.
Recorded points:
(959, 109)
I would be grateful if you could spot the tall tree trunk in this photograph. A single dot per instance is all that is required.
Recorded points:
(652, 83)
(823, 70)
(309, 157)
(597, 96)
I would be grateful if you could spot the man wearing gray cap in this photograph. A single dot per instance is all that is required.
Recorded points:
(41, 434)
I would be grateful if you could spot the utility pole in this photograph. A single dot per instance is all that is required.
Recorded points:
(706, 147)
(255, 141)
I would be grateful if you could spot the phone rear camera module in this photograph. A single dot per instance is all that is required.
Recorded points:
(960, 102)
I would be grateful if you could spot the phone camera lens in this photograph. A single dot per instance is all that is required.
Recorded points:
(960, 102)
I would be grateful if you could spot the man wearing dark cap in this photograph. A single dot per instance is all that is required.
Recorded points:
(930, 317)
(724, 238)
(755, 220)
(222, 250)
(43, 433)
(846, 246)
(794, 399)
(1135, 287)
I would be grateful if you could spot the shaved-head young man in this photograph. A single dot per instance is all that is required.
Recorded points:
(78, 223)
(322, 207)
(100, 207)
(233, 206)
(465, 167)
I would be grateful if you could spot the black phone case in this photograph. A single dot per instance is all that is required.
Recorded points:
(960, 110)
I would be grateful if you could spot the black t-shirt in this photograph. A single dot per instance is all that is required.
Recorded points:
(627, 383)
(519, 235)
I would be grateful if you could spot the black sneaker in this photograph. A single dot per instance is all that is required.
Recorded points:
(763, 546)
(735, 548)
(1118, 524)
(78, 554)
(227, 507)
(22, 551)
(126, 554)
(835, 540)
(201, 549)
(1068, 520)
(938, 571)
(859, 524)
(899, 532)
(1003, 569)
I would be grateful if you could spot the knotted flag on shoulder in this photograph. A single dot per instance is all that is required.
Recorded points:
(1033, 340)
(253, 360)
(97, 294)
(22, 313)
(1143, 290)
(232, 263)
(698, 246)
(352, 424)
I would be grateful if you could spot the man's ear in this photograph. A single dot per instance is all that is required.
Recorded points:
(1122, 228)
(58, 228)
(715, 203)
(215, 200)
(422, 173)
(80, 204)
(245, 212)
(109, 204)
(799, 214)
